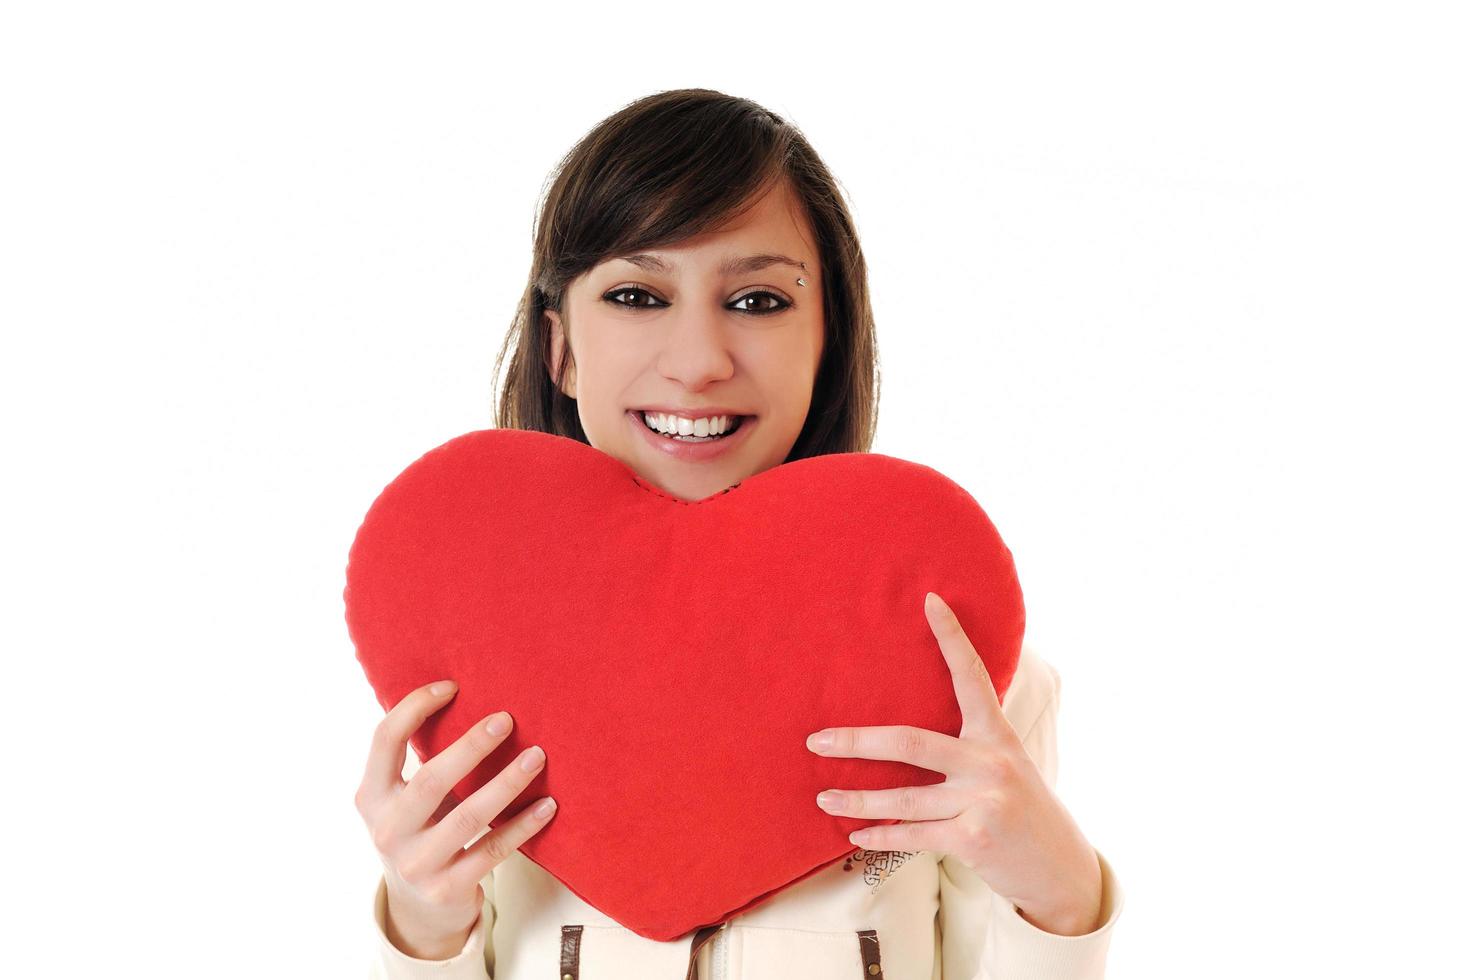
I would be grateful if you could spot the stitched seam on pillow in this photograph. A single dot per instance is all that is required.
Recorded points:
(677, 500)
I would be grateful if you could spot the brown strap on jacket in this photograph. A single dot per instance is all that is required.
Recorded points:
(569, 952)
(870, 953)
(699, 939)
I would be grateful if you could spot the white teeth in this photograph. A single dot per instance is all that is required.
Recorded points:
(675, 425)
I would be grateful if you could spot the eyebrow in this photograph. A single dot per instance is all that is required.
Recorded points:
(730, 266)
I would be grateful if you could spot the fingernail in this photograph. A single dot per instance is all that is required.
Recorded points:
(545, 808)
(821, 740)
(531, 759)
(828, 800)
(442, 688)
(500, 723)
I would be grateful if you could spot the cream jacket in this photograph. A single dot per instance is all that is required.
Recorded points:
(872, 915)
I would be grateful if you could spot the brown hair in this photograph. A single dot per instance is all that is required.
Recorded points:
(663, 168)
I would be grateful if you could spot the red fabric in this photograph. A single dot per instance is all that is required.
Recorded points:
(670, 656)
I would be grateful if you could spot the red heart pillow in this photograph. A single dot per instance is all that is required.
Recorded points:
(671, 656)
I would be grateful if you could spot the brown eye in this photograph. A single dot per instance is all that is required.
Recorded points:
(780, 304)
(628, 290)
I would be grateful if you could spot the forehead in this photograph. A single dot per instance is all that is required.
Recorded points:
(772, 231)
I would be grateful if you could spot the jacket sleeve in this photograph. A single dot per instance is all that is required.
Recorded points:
(474, 962)
(983, 935)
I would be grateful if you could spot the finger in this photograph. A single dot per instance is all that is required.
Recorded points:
(426, 790)
(921, 835)
(900, 743)
(937, 802)
(977, 700)
(392, 734)
(472, 815)
(498, 845)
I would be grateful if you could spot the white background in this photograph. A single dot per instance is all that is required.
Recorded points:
(1183, 297)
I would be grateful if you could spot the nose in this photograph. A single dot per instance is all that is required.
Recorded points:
(698, 350)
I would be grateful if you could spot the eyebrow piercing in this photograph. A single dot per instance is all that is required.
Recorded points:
(801, 281)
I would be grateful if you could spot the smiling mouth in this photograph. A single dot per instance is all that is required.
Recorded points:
(739, 421)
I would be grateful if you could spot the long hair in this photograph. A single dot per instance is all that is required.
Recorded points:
(661, 169)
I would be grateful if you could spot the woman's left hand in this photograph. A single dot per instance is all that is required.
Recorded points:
(994, 812)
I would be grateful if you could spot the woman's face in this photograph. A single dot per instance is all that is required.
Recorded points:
(676, 333)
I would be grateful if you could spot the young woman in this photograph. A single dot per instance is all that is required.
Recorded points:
(697, 308)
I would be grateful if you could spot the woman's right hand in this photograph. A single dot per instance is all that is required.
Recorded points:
(433, 883)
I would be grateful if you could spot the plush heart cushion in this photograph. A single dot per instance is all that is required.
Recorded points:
(672, 656)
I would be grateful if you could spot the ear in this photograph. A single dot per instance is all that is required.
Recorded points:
(556, 343)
